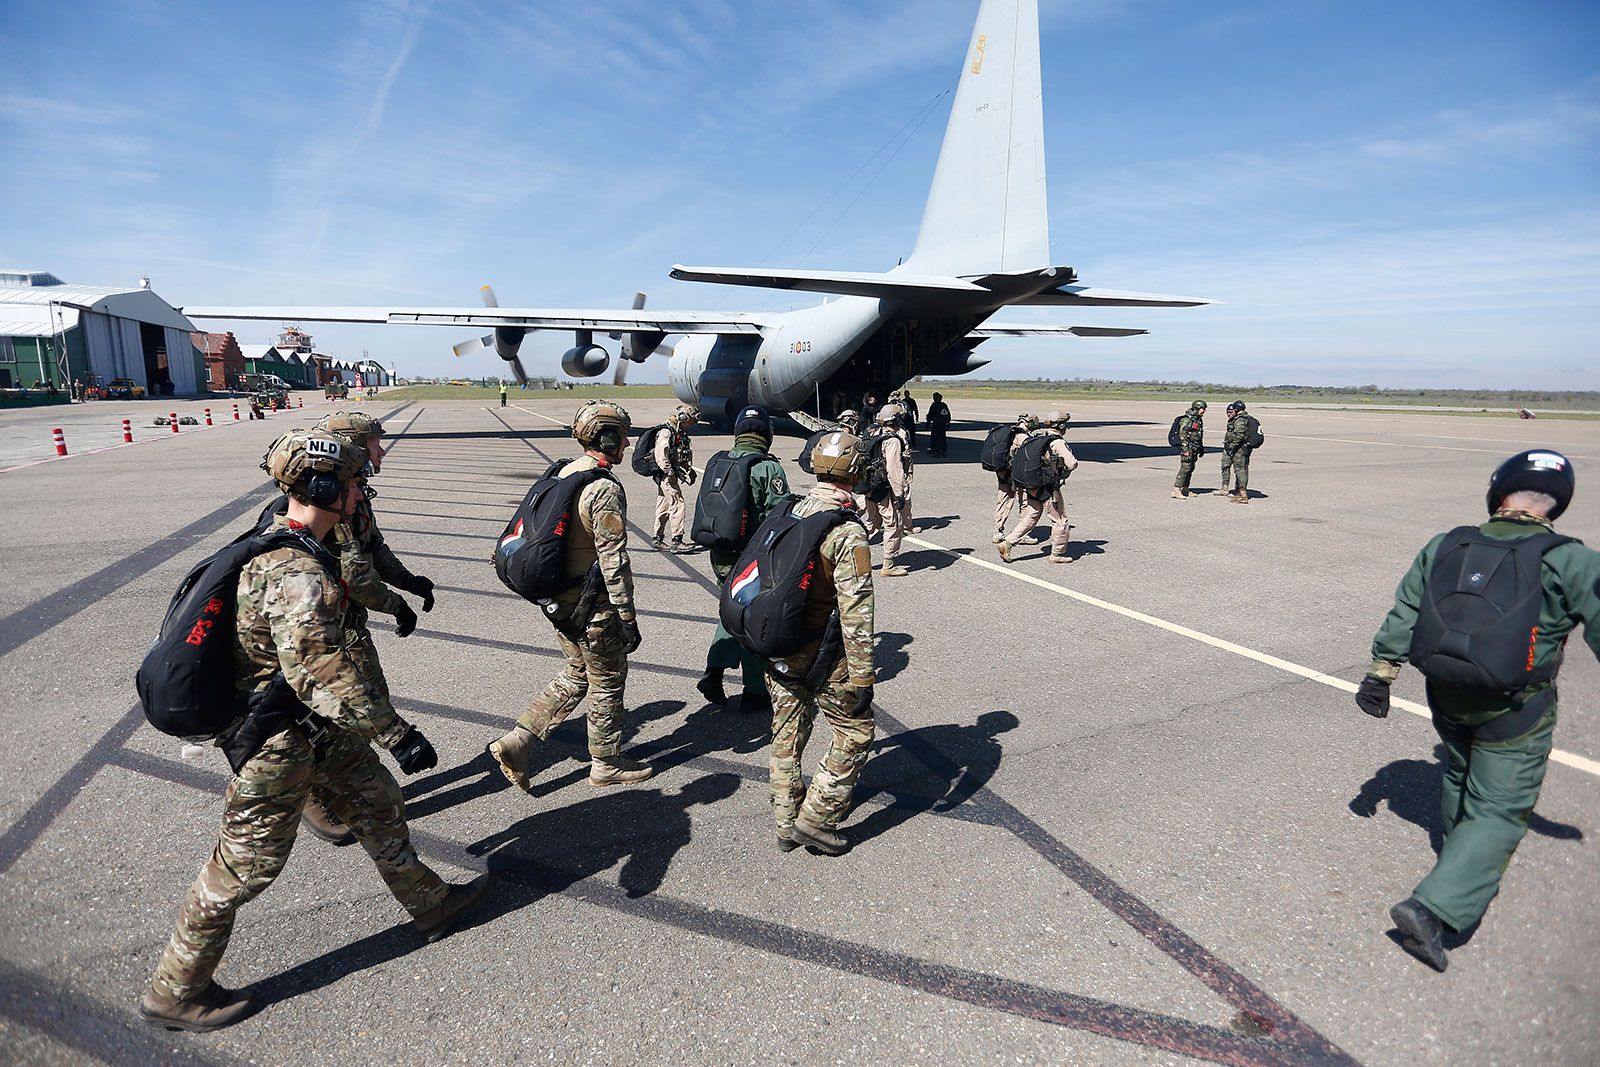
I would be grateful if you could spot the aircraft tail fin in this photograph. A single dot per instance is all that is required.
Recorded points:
(986, 210)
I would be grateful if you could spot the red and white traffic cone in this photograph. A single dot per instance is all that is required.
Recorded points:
(236, 413)
(302, 401)
(174, 418)
(127, 432)
(61, 441)
(208, 417)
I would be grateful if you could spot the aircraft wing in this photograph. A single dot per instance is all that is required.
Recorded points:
(838, 282)
(1034, 329)
(722, 322)
(1090, 296)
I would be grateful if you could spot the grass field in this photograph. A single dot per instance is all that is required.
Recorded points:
(492, 395)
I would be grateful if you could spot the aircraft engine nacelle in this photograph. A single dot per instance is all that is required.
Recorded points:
(585, 361)
(959, 360)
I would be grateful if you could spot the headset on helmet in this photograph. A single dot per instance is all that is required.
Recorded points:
(601, 425)
(753, 419)
(314, 465)
(838, 458)
(358, 426)
(1237, 405)
(1535, 471)
(686, 414)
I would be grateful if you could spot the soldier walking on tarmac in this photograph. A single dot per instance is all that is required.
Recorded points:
(674, 455)
(1005, 494)
(596, 646)
(1190, 430)
(1484, 613)
(832, 675)
(291, 645)
(766, 486)
(938, 425)
(1236, 449)
(1038, 473)
(892, 514)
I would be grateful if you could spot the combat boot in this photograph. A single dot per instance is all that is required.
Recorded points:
(617, 770)
(436, 923)
(511, 754)
(210, 1009)
(786, 843)
(710, 686)
(891, 569)
(755, 703)
(1180, 494)
(1424, 933)
(999, 535)
(1241, 497)
(319, 823)
(657, 543)
(818, 839)
(1063, 558)
(1005, 551)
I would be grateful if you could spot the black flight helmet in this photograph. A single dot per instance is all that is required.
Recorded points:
(1538, 470)
(753, 419)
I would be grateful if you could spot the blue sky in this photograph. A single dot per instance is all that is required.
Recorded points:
(1401, 194)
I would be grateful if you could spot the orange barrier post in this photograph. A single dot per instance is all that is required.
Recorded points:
(174, 418)
(61, 441)
(302, 401)
(236, 413)
(127, 432)
(208, 417)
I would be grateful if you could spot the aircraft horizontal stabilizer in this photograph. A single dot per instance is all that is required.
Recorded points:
(1026, 329)
(705, 322)
(1089, 296)
(838, 282)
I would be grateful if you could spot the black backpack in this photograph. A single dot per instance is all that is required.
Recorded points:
(1479, 617)
(996, 453)
(874, 484)
(529, 555)
(1256, 438)
(763, 601)
(723, 510)
(644, 454)
(1174, 438)
(187, 681)
(1034, 468)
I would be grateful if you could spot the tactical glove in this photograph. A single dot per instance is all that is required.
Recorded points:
(405, 620)
(863, 701)
(418, 586)
(413, 752)
(630, 632)
(1373, 698)
(689, 476)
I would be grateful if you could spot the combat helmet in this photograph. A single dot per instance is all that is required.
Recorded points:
(1028, 421)
(314, 466)
(686, 415)
(1057, 420)
(1237, 405)
(753, 419)
(889, 414)
(601, 425)
(1535, 471)
(358, 426)
(850, 418)
(1198, 405)
(837, 457)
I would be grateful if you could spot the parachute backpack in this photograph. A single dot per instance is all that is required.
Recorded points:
(1175, 435)
(874, 485)
(1478, 622)
(1256, 438)
(723, 510)
(186, 681)
(529, 554)
(1034, 467)
(763, 602)
(996, 453)
(644, 454)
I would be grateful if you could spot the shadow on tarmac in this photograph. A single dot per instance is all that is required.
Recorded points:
(1411, 788)
(889, 654)
(968, 758)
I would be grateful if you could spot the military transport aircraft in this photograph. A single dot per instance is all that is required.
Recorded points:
(983, 245)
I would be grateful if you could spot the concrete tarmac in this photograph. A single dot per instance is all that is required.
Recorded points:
(1124, 811)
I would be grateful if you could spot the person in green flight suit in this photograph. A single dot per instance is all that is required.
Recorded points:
(1484, 613)
(768, 485)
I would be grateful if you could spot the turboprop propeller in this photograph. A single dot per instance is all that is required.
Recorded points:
(505, 340)
(637, 346)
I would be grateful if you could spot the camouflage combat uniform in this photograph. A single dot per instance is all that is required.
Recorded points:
(597, 658)
(1191, 444)
(768, 486)
(844, 582)
(1032, 505)
(675, 456)
(292, 617)
(1236, 453)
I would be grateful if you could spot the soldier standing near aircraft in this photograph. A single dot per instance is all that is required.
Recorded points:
(1038, 473)
(674, 455)
(1190, 430)
(1236, 449)
(290, 631)
(597, 647)
(1463, 616)
(938, 425)
(1005, 495)
(843, 584)
(909, 404)
(893, 512)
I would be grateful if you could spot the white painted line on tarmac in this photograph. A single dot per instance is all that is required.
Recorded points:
(165, 435)
(1571, 759)
(1405, 444)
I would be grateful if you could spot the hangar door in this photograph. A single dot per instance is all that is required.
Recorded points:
(114, 347)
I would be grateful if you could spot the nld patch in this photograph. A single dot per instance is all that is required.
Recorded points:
(322, 447)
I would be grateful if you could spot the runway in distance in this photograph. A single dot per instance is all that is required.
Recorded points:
(983, 245)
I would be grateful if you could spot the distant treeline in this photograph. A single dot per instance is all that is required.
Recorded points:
(1331, 393)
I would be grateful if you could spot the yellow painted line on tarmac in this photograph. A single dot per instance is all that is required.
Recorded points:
(1571, 759)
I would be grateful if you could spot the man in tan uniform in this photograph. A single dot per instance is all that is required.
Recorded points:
(892, 514)
(1033, 504)
(675, 456)
(596, 647)
(1005, 495)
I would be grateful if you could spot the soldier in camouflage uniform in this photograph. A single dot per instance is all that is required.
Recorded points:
(843, 583)
(292, 636)
(768, 486)
(675, 456)
(1191, 446)
(596, 648)
(1236, 455)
